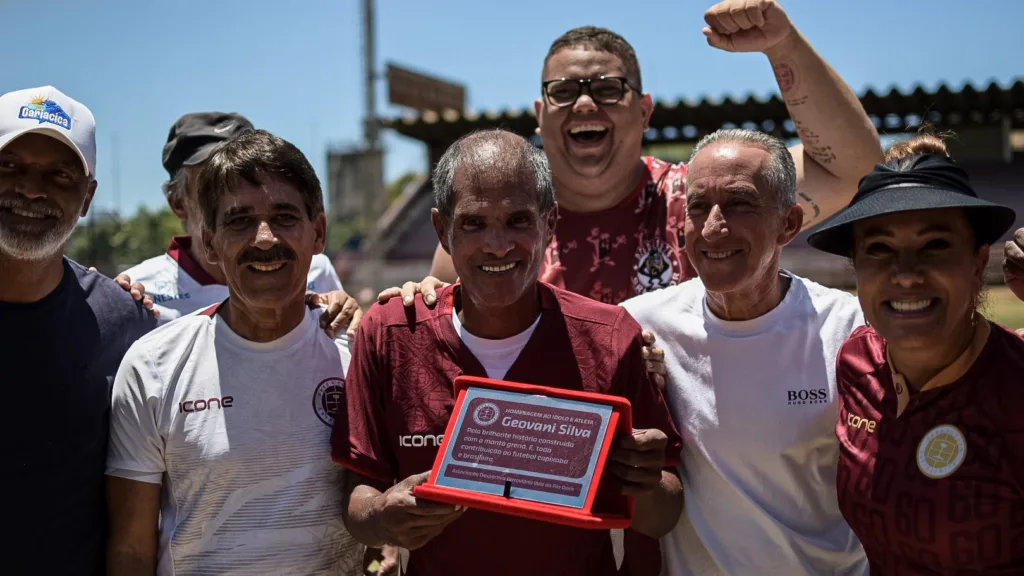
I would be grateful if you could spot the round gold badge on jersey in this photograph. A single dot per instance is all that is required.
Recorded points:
(941, 451)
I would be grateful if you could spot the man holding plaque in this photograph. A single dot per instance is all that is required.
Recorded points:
(495, 215)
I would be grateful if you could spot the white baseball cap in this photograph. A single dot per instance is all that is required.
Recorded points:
(49, 111)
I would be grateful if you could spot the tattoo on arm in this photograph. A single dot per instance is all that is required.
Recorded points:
(813, 145)
(785, 75)
(810, 202)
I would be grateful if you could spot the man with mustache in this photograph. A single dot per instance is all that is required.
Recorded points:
(220, 420)
(181, 281)
(620, 221)
(63, 332)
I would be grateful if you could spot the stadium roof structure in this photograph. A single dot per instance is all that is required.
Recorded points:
(687, 120)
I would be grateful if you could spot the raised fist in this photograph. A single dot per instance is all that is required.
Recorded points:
(746, 25)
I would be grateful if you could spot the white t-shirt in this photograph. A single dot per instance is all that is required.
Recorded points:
(496, 356)
(238, 433)
(756, 404)
(180, 286)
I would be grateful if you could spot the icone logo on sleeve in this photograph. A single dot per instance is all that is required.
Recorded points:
(421, 440)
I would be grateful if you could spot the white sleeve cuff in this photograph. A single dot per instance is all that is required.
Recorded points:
(147, 477)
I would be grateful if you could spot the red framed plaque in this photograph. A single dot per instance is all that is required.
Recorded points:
(531, 451)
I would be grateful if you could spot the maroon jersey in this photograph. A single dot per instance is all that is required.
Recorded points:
(933, 482)
(631, 248)
(399, 400)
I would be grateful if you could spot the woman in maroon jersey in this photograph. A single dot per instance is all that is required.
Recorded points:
(931, 470)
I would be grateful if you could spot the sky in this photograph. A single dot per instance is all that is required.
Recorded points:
(295, 68)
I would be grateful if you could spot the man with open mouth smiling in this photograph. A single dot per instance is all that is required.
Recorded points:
(63, 332)
(620, 220)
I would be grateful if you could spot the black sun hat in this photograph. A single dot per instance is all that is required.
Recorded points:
(194, 137)
(930, 182)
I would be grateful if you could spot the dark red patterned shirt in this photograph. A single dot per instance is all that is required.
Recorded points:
(615, 254)
(399, 400)
(933, 483)
(631, 248)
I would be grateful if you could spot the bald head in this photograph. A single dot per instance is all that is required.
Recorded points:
(492, 160)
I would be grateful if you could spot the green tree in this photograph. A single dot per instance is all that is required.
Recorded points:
(395, 187)
(112, 243)
(347, 234)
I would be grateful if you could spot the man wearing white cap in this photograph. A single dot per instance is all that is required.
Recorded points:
(63, 332)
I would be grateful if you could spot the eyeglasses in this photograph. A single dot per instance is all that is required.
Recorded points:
(605, 90)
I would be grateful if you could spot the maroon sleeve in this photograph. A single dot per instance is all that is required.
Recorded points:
(1006, 396)
(851, 364)
(631, 377)
(359, 435)
(1013, 437)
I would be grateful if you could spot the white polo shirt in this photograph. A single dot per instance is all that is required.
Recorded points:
(756, 404)
(180, 286)
(238, 434)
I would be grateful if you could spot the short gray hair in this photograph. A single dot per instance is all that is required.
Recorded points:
(517, 155)
(176, 186)
(779, 173)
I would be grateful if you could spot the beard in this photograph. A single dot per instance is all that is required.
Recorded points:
(36, 241)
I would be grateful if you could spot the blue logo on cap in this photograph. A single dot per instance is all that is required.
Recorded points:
(46, 110)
